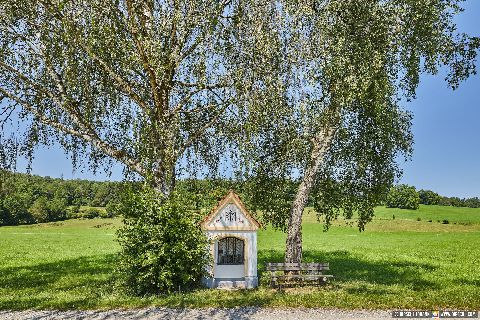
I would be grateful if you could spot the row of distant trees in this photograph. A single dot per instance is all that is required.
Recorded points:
(26, 199)
(407, 197)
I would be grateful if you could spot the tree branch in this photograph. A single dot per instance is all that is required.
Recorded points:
(201, 37)
(185, 99)
(64, 104)
(32, 83)
(7, 112)
(152, 77)
(194, 137)
(199, 109)
(200, 85)
(126, 87)
(90, 136)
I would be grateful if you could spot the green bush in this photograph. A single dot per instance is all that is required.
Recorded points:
(75, 209)
(105, 214)
(15, 207)
(58, 209)
(90, 213)
(403, 197)
(73, 212)
(111, 210)
(429, 197)
(40, 210)
(163, 247)
(44, 210)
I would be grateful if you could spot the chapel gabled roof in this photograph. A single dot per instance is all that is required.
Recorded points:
(230, 197)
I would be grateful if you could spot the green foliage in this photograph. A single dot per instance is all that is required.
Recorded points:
(429, 197)
(58, 208)
(43, 210)
(335, 76)
(403, 197)
(270, 196)
(163, 247)
(457, 202)
(203, 195)
(328, 113)
(432, 198)
(110, 210)
(152, 83)
(471, 202)
(28, 198)
(40, 210)
(15, 206)
(90, 213)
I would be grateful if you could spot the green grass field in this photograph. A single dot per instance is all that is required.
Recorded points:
(395, 263)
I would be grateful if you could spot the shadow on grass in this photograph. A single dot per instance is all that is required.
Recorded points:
(468, 282)
(347, 268)
(88, 283)
(64, 284)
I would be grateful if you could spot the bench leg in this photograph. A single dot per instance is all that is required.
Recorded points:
(273, 283)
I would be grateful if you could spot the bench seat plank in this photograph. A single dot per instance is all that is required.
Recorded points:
(305, 276)
(297, 267)
(303, 271)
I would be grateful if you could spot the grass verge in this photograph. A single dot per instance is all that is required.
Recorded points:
(401, 263)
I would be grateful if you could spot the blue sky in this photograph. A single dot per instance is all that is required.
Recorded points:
(446, 128)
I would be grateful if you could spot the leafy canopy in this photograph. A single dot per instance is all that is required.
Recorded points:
(403, 197)
(342, 72)
(147, 83)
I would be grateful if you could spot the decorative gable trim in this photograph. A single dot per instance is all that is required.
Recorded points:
(231, 197)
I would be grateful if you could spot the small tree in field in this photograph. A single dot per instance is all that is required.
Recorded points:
(40, 210)
(403, 197)
(429, 197)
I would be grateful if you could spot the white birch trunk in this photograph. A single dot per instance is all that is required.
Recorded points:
(321, 144)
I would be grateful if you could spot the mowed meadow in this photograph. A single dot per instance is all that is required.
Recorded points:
(406, 262)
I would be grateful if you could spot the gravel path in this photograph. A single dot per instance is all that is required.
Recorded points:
(203, 314)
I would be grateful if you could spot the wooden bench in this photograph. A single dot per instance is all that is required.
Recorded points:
(294, 273)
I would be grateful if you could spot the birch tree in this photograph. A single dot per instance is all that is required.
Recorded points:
(335, 121)
(145, 83)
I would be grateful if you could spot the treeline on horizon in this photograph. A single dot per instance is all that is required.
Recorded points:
(407, 197)
(429, 197)
(27, 199)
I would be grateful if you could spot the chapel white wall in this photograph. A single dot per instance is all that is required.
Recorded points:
(250, 262)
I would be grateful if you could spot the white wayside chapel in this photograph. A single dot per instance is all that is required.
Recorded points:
(233, 234)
